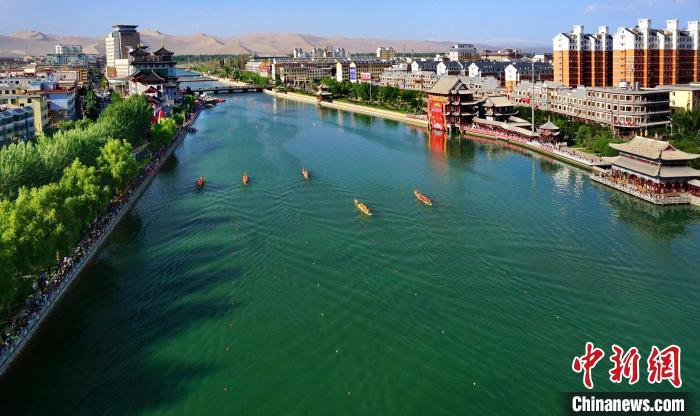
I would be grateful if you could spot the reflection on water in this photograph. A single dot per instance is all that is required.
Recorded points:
(665, 222)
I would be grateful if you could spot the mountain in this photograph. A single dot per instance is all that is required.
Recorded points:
(37, 43)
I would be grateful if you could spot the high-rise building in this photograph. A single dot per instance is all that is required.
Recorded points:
(581, 58)
(117, 43)
(652, 57)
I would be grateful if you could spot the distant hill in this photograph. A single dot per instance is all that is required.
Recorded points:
(37, 43)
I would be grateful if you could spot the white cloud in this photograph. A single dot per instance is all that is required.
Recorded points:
(601, 8)
(630, 6)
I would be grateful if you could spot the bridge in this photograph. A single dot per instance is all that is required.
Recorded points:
(227, 89)
(213, 86)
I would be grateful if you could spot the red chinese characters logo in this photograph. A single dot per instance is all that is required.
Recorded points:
(625, 365)
(662, 365)
(586, 362)
(665, 365)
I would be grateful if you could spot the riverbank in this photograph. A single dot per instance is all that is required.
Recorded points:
(353, 108)
(392, 115)
(543, 149)
(22, 338)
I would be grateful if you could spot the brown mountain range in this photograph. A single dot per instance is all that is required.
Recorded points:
(37, 43)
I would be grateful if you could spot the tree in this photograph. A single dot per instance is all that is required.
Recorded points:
(36, 228)
(163, 132)
(128, 119)
(104, 84)
(361, 91)
(92, 105)
(84, 195)
(116, 163)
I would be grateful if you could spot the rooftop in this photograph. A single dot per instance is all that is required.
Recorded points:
(653, 149)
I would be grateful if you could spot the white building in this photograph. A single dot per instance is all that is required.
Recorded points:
(462, 52)
(71, 50)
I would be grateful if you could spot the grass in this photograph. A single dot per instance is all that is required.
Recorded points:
(374, 105)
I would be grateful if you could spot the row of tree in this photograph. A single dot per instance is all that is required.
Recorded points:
(684, 132)
(32, 164)
(51, 190)
(592, 137)
(390, 97)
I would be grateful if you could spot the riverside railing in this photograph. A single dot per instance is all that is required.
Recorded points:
(659, 199)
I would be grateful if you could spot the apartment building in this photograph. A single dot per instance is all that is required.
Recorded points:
(462, 52)
(581, 58)
(453, 67)
(503, 55)
(71, 50)
(654, 57)
(483, 68)
(299, 72)
(316, 53)
(683, 97)
(16, 124)
(636, 55)
(352, 70)
(39, 103)
(523, 71)
(385, 52)
(424, 65)
(418, 81)
(627, 110)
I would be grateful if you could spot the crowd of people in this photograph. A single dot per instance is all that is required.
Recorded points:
(556, 149)
(545, 146)
(651, 193)
(51, 282)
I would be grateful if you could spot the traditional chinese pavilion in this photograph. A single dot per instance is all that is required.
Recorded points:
(451, 105)
(497, 108)
(652, 166)
(548, 131)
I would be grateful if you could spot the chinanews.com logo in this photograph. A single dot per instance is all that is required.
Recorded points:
(662, 366)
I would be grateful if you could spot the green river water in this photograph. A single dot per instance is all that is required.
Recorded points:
(281, 298)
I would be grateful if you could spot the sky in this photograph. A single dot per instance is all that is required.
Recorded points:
(514, 22)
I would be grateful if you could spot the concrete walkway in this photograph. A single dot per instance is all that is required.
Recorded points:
(353, 108)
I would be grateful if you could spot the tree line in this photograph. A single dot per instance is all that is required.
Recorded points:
(52, 189)
(684, 132)
(592, 137)
(385, 96)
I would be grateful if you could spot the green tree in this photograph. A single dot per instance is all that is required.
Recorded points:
(37, 227)
(116, 163)
(128, 119)
(84, 195)
(163, 132)
(92, 105)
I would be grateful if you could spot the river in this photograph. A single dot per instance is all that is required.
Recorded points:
(281, 298)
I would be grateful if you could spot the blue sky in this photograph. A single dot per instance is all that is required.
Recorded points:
(502, 21)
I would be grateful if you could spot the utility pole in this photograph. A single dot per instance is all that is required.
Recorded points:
(532, 98)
